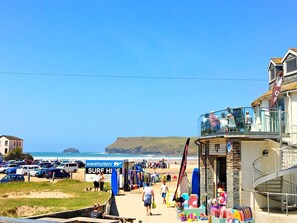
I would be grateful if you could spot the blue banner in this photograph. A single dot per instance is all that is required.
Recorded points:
(104, 163)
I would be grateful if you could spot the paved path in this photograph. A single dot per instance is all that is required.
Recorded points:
(130, 204)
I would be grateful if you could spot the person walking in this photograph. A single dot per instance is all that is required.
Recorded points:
(163, 191)
(148, 197)
(101, 181)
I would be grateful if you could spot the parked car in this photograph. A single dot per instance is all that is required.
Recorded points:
(42, 172)
(34, 172)
(58, 174)
(3, 168)
(44, 164)
(11, 170)
(68, 167)
(26, 169)
(80, 163)
(12, 178)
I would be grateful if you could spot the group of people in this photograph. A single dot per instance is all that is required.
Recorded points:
(99, 182)
(226, 123)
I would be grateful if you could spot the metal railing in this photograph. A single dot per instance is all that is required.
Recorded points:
(240, 120)
(273, 194)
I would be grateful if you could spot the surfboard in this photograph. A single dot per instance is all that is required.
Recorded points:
(196, 182)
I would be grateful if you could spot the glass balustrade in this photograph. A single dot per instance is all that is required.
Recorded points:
(244, 120)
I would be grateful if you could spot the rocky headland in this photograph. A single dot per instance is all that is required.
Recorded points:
(151, 146)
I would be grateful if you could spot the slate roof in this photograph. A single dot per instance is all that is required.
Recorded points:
(11, 137)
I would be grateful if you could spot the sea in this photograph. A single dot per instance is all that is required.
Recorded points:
(83, 156)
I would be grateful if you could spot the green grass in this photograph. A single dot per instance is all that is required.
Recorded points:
(79, 197)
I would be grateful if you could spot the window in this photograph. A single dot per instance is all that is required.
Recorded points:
(291, 65)
(274, 71)
(6, 143)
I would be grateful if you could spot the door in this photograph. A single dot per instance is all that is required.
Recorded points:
(221, 173)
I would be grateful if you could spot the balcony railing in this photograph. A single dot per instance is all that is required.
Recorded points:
(244, 120)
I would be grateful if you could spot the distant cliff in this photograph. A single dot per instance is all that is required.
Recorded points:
(151, 145)
(71, 150)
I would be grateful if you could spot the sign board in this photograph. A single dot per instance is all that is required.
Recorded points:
(102, 166)
(239, 118)
(217, 148)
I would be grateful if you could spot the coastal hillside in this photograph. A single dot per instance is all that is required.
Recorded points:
(151, 145)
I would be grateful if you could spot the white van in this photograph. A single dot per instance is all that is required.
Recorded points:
(25, 169)
(68, 167)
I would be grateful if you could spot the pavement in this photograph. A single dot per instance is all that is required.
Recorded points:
(130, 204)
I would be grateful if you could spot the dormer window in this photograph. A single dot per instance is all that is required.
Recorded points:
(291, 65)
(274, 71)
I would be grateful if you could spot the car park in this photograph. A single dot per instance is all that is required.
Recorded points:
(26, 169)
(58, 174)
(42, 172)
(45, 164)
(34, 172)
(68, 167)
(11, 170)
(12, 178)
(5, 167)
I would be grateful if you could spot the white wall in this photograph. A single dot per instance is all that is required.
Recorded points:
(250, 151)
(294, 108)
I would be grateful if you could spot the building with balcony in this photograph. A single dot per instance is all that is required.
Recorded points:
(9, 143)
(252, 151)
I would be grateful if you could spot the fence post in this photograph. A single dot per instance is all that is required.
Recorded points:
(254, 201)
(268, 202)
(287, 204)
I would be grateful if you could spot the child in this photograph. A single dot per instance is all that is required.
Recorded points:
(163, 191)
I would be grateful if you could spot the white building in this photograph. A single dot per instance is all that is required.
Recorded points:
(9, 143)
(255, 163)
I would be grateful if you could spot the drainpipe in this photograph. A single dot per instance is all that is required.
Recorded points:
(290, 113)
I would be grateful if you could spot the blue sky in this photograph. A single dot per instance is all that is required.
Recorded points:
(66, 67)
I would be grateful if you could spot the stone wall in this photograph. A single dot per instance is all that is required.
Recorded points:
(234, 175)
(210, 173)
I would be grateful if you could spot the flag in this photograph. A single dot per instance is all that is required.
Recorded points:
(183, 167)
(276, 89)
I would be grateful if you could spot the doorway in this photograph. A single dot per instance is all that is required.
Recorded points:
(221, 173)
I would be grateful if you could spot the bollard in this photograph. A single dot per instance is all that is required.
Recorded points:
(53, 176)
(28, 177)
(71, 174)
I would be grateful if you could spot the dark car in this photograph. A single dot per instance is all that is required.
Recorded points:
(80, 163)
(58, 174)
(12, 178)
(42, 172)
(45, 164)
(11, 170)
